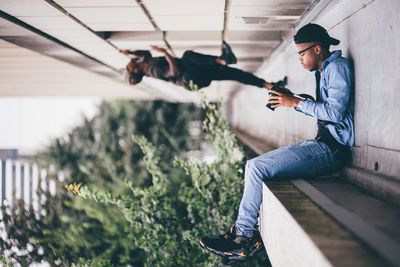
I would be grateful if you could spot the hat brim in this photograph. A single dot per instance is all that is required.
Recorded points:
(334, 41)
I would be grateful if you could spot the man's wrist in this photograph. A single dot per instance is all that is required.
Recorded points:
(296, 102)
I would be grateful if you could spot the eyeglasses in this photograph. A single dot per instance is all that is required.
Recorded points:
(302, 52)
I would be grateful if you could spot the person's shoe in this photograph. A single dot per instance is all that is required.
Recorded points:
(256, 244)
(283, 82)
(227, 54)
(233, 247)
(229, 235)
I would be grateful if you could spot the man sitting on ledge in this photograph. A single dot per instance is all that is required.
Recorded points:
(193, 71)
(322, 155)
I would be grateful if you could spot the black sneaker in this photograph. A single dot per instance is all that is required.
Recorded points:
(227, 54)
(205, 242)
(283, 82)
(233, 247)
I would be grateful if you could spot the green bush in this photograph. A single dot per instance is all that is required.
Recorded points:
(211, 197)
(100, 153)
(146, 206)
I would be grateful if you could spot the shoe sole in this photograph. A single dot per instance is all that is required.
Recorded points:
(227, 261)
(221, 254)
(256, 251)
(216, 252)
(232, 58)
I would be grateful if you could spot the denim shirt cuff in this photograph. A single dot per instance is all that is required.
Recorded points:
(299, 105)
(304, 105)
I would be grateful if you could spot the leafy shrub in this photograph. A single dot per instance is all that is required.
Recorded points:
(210, 197)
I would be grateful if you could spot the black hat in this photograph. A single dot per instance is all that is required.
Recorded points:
(314, 33)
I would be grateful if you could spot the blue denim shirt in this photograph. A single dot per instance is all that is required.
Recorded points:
(337, 105)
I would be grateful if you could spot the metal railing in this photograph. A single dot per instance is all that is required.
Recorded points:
(23, 180)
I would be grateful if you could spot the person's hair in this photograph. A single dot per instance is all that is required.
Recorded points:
(324, 46)
(135, 78)
(134, 63)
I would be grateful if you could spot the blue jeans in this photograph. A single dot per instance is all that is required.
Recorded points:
(308, 158)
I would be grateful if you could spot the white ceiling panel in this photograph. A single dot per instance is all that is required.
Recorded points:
(137, 40)
(214, 50)
(136, 45)
(46, 76)
(190, 43)
(252, 15)
(252, 51)
(97, 47)
(256, 27)
(253, 36)
(194, 36)
(67, 30)
(207, 42)
(185, 15)
(52, 23)
(85, 40)
(122, 15)
(266, 11)
(240, 50)
(96, 3)
(82, 36)
(304, 3)
(75, 35)
(100, 27)
(8, 29)
(190, 23)
(241, 24)
(19, 8)
(136, 36)
(185, 7)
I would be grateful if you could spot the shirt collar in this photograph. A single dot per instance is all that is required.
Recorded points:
(334, 55)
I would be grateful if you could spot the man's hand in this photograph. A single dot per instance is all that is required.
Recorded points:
(158, 49)
(125, 52)
(282, 100)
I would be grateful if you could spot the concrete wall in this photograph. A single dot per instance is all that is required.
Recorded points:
(369, 31)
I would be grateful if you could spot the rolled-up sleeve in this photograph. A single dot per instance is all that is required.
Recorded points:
(338, 91)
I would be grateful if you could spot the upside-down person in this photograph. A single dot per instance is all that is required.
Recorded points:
(193, 70)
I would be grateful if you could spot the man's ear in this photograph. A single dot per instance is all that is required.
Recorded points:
(318, 49)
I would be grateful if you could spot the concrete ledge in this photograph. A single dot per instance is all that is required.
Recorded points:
(297, 232)
(287, 244)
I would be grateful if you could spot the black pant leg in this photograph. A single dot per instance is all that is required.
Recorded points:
(190, 57)
(222, 73)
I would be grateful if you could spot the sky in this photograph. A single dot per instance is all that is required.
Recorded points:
(29, 123)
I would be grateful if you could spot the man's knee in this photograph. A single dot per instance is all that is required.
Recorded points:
(258, 168)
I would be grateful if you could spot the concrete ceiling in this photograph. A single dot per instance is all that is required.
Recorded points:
(37, 74)
(98, 28)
